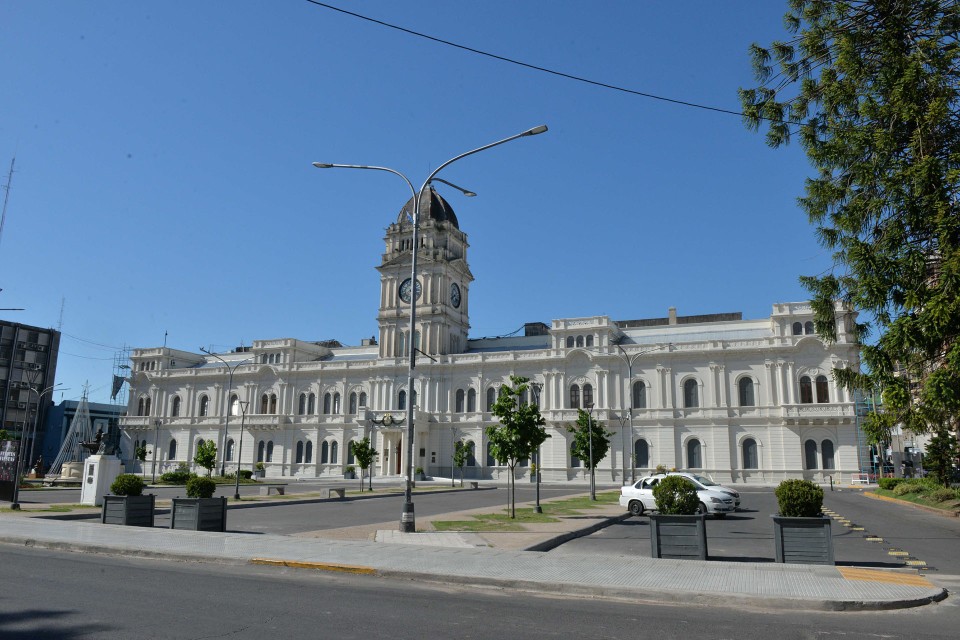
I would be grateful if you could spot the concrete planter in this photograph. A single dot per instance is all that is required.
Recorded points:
(132, 511)
(803, 540)
(679, 537)
(199, 514)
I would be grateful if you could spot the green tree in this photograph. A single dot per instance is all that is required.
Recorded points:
(520, 432)
(585, 430)
(941, 456)
(141, 453)
(461, 453)
(871, 90)
(364, 453)
(206, 455)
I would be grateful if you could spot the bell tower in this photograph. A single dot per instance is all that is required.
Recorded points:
(442, 287)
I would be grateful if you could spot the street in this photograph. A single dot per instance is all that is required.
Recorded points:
(60, 596)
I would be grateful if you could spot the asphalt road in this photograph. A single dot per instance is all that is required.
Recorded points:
(61, 596)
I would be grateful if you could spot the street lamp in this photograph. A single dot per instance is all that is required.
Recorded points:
(15, 504)
(537, 387)
(593, 487)
(156, 441)
(407, 518)
(226, 428)
(243, 415)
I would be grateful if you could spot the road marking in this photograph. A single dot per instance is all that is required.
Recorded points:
(874, 539)
(858, 528)
(890, 577)
(897, 552)
(322, 566)
(916, 563)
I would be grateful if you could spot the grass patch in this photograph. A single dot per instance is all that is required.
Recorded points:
(915, 498)
(501, 521)
(483, 522)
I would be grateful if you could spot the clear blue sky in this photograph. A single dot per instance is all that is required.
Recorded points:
(163, 179)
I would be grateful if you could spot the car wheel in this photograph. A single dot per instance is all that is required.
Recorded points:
(636, 508)
(701, 509)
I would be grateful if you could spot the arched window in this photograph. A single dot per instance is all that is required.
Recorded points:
(574, 460)
(579, 341)
(334, 451)
(234, 405)
(324, 452)
(587, 395)
(327, 403)
(826, 452)
(204, 406)
(569, 342)
(273, 403)
(694, 454)
(269, 450)
(491, 462)
(402, 400)
(823, 389)
(146, 407)
(798, 328)
(336, 403)
(172, 450)
(641, 454)
(299, 458)
(363, 399)
(261, 447)
(575, 396)
(806, 390)
(808, 328)
(471, 400)
(746, 392)
(302, 404)
(228, 456)
(413, 397)
(312, 403)
(750, 460)
(308, 458)
(175, 406)
(141, 406)
(810, 454)
(590, 340)
(353, 403)
(691, 394)
(491, 398)
(350, 457)
(264, 404)
(461, 396)
(639, 395)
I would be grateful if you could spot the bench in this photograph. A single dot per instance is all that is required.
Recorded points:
(270, 489)
(860, 478)
(474, 485)
(328, 492)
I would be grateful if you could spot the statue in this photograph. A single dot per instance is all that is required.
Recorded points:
(94, 446)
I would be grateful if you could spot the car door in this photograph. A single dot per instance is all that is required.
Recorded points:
(645, 492)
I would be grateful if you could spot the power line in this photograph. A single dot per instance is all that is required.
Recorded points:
(561, 74)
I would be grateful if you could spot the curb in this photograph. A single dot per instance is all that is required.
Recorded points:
(553, 543)
(943, 513)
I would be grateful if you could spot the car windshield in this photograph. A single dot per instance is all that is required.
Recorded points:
(707, 482)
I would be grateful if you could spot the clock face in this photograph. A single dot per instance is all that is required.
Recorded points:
(405, 290)
(455, 295)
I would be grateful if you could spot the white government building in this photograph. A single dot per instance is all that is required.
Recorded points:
(742, 400)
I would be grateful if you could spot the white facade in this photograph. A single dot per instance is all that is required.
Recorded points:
(742, 400)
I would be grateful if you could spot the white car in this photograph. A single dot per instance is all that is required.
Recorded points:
(715, 499)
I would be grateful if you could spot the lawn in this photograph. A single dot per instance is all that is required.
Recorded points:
(500, 520)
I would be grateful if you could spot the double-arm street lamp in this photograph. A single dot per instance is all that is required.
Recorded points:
(21, 450)
(593, 485)
(226, 428)
(407, 518)
(629, 359)
(537, 387)
(243, 414)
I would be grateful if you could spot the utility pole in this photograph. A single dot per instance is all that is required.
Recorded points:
(6, 197)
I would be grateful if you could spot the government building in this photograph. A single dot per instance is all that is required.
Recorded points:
(745, 401)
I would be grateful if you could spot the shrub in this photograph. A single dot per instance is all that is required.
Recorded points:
(246, 474)
(260, 466)
(349, 469)
(675, 495)
(799, 499)
(889, 483)
(919, 487)
(180, 476)
(943, 495)
(201, 487)
(127, 484)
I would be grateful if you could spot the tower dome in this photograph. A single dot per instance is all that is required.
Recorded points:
(432, 207)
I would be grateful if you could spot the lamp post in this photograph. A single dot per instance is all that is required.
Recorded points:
(243, 415)
(407, 518)
(156, 441)
(226, 428)
(593, 488)
(537, 387)
(15, 504)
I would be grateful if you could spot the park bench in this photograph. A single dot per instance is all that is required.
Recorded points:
(328, 492)
(474, 485)
(273, 489)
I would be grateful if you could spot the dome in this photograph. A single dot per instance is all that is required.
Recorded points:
(433, 207)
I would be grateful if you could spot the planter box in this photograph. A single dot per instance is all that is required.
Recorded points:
(199, 514)
(133, 511)
(679, 537)
(803, 540)
(350, 475)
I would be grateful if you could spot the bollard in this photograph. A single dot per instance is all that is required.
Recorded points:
(831, 483)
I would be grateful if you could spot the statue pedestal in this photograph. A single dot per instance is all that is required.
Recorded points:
(99, 472)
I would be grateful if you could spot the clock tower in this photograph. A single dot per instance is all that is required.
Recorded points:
(442, 286)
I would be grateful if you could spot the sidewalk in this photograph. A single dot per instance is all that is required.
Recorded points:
(502, 561)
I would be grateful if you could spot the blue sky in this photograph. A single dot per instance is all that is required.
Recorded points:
(163, 179)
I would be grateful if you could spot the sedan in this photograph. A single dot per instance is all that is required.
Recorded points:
(714, 499)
